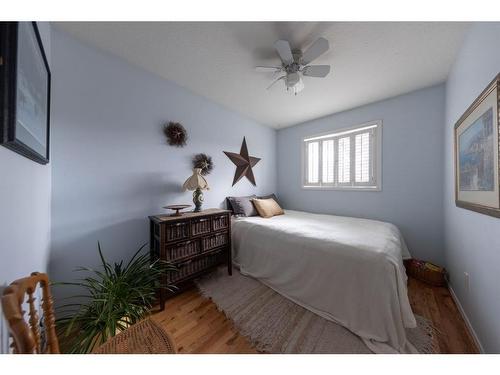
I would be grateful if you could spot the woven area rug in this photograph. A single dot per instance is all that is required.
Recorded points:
(274, 324)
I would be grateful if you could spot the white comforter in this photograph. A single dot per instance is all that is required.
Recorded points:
(345, 269)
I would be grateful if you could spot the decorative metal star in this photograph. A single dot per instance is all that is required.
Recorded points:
(244, 163)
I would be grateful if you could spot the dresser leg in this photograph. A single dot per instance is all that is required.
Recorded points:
(229, 264)
(162, 300)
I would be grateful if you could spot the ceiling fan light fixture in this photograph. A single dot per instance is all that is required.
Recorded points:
(292, 79)
(296, 87)
(295, 64)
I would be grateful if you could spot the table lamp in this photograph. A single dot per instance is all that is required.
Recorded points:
(196, 183)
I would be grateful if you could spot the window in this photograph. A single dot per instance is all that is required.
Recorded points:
(345, 159)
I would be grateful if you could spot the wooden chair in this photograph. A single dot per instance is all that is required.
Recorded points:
(28, 338)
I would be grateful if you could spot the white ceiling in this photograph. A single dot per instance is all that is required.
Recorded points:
(370, 61)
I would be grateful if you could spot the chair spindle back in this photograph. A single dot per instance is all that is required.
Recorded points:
(27, 336)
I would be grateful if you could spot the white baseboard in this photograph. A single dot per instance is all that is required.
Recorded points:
(466, 320)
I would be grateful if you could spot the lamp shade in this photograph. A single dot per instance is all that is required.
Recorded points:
(196, 181)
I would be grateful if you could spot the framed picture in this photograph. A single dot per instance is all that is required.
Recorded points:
(477, 183)
(24, 91)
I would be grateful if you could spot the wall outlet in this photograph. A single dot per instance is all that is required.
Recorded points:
(466, 281)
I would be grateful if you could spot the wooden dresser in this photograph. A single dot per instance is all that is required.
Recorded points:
(196, 242)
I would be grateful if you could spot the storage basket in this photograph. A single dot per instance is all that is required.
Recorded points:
(426, 271)
(217, 240)
(220, 222)
(200, 226)
(194, 266)
(182, 250)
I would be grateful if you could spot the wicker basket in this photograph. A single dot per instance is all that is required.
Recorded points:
(145, 337)
(425, 271)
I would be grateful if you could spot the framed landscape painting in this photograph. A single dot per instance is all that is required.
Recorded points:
(24, 91)
(477, 183)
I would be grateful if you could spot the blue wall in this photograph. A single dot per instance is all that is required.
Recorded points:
(25, 206)
(412, 176)
(24, 212)
(472, 239)
(111, 165)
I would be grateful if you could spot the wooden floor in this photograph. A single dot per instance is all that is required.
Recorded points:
(196, 325)
(436, 304)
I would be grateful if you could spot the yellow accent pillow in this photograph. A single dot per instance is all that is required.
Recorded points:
(267, 207)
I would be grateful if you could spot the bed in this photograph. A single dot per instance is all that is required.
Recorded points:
(345, 269)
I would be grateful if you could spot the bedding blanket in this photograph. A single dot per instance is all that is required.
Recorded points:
(344, 269)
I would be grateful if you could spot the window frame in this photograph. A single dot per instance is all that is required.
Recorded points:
(377, 163)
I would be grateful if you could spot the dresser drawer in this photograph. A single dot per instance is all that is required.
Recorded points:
(220, 222)
(201, 226)
(182, 250)
(176, 231)
(194, 266)
(215, 240)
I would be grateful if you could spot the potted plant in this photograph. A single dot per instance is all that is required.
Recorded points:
(114, 298)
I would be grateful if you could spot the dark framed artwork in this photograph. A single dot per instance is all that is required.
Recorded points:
(24, 91)
(477, 154)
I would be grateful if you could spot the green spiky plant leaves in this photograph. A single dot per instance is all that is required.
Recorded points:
(114, 298)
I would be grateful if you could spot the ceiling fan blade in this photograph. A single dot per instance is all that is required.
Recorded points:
(316, 70)
(276, 80)
(318, 48)
(284, 50)
(267, 69)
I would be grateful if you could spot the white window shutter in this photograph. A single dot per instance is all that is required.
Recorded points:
(313, 163)
(328, 162)
(362, 157)
(344, 156)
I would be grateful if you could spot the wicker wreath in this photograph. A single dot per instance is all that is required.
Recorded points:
(204, 162)
(176, 134)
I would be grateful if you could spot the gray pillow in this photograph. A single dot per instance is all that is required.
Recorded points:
(270, 196)
(243, 206)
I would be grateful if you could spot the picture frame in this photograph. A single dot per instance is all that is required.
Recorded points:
(24, 91)
(477, 153)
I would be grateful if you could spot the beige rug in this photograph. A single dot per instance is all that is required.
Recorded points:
(275, 324)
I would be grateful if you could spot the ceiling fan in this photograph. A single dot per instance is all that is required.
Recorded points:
(295, 64)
